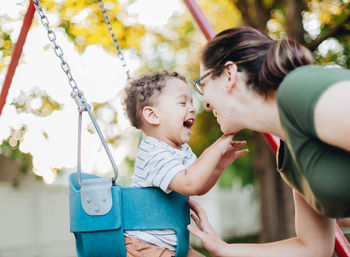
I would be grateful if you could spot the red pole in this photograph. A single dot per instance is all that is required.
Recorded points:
(342, 247)
(341, 244)
(201, 20)
(273, 141)
(16, 54)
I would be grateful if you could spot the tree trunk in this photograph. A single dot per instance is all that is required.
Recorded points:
(276, 200)
(294, 19)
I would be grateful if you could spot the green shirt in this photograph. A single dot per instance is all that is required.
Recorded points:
(318, 171)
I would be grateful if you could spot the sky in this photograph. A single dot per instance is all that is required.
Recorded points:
(98, 74)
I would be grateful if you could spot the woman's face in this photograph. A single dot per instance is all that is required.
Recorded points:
(219, 97)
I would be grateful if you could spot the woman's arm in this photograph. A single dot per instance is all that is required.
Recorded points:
(331, 116)
(315, 236)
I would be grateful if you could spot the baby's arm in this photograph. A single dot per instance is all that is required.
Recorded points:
(202, 175)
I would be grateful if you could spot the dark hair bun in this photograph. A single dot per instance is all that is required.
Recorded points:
(283, 56)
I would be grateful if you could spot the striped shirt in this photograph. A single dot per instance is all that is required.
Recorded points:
(157, 163)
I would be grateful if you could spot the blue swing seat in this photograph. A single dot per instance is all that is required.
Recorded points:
(99, 231)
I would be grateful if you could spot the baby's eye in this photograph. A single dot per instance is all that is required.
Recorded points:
(183, 103)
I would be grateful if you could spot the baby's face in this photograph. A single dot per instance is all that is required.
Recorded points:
(176, 112)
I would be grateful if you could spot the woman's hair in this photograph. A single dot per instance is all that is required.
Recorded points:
(143, 92)
(266, 61)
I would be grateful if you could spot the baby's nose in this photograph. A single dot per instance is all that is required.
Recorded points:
(192, 110)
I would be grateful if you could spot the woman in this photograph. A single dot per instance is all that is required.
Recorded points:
(251, 81)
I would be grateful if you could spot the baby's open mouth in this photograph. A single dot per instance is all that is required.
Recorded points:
(188, 123)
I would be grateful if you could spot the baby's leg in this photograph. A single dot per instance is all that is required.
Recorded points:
(138, 248)
(194, 253)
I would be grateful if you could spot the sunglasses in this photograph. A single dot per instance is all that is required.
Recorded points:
(197, 82)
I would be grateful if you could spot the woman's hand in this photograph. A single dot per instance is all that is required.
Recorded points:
(315, 236)
(204, 231)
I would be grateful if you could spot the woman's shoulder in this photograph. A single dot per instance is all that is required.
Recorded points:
(313, 75)
(310, 81)
(317, 68)
(301, 89)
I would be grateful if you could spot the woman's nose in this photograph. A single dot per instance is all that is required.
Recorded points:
(207, 105)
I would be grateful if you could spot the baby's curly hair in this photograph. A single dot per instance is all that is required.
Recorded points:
(144, 91)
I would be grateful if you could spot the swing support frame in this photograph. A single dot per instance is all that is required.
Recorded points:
(341, 247)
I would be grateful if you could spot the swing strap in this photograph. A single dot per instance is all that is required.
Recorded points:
(82, 104)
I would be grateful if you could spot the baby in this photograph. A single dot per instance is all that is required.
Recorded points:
(160, 104)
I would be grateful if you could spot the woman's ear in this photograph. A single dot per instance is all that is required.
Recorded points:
(231, 70)
(150, 115)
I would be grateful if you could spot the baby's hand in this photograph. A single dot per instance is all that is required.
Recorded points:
(229, 150)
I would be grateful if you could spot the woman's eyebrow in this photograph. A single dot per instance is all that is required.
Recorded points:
(182, 96)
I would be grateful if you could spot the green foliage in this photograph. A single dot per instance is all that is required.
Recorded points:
(130, 163)
(346, 52)
(177, 45)
(332, 57)
(242, 169)
(37, 102)
(205, 132)
(6, 46)
(107, 117)
(83, 22)
(222, 14)
(10, 149)
(337, 55)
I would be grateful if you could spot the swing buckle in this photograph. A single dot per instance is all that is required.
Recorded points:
(96, 196)
(79, 99)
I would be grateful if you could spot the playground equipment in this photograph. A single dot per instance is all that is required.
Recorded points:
(85, 230)
(100, 209)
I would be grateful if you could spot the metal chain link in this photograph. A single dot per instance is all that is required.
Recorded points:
(76, 94)
(57, 49)
(114, 37)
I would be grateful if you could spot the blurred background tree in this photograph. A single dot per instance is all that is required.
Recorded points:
(322, 25)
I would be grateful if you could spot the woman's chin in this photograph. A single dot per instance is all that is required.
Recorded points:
(224, 129)
(228, 131)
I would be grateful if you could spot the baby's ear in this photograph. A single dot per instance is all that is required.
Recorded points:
(150, 115)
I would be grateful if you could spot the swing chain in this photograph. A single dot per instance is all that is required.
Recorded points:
(57, 49)
(114, 37)
(116, 46)
(76, 94)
